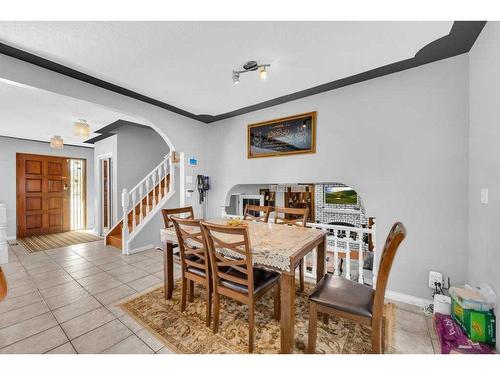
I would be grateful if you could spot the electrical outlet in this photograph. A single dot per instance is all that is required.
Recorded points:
(435, 277)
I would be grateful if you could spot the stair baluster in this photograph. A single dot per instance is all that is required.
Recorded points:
(134, 213)
(159, 184)
(141, 198)
(125, 233)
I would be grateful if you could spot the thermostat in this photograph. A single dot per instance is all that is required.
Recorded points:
(193, 161)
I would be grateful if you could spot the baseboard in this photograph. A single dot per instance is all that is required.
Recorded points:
(142, 248)
(406, 298)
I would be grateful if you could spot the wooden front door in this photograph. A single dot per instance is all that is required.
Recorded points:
(43, 204)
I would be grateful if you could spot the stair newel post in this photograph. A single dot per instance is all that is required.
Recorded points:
(125, 234)
(159, 184)
(134, 203)
(141, 198)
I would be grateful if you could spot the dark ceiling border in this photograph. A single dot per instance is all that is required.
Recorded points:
(460, 40)
(110, 130)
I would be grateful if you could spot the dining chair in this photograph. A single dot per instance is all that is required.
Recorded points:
(266, 210)
(195, 264)
(300, 220)
(358, 302)
(175, 212)
(3, 285)
(233, 273)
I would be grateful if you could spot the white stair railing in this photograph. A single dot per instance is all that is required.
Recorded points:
(145, 199)
(341, 241)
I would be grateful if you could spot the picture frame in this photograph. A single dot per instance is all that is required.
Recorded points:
(284, 136)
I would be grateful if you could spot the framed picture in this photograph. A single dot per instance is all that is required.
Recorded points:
(284, 136)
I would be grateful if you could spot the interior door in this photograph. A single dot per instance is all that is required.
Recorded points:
(43, 204)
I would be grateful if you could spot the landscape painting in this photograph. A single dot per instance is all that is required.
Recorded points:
(340, 195)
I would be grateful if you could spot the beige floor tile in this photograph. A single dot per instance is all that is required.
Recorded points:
(15, 291)
(113, 295)
(82, 305)
(39, 343)
(144, 283)
(131, 345)
(101, 338)
(17, 302)
(409, 343)
(26, 312)
(64, 288)
(94, 278)
(116, 310)
(131, 323)
(79, 267)
(121, 270)
(112, 265)
(46, 268)
(12, 268)
(131, 276)
(63, 349)
(63, 299)
(80, 274)
(44, 284)
(26, 328)
(101, 286)
(165, 350)
(87, 322)
(150, 340)
(411, 322)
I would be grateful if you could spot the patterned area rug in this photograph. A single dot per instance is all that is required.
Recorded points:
(186, 332)
(53, 241)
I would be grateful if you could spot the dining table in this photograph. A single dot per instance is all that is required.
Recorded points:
(275, 247)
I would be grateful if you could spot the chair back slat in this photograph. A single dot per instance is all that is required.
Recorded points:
(266, 210)
(220, 259)
(191, 243)
(299, 222)
(394, 239)
(168, 213)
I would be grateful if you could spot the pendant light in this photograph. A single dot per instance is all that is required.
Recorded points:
(82, 128)
(56, 142)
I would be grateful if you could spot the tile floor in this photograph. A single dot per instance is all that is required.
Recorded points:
(64, 301)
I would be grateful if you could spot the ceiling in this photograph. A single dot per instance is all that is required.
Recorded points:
(188, 64)
(38, 115)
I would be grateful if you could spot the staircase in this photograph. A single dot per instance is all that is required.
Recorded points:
(141, 203)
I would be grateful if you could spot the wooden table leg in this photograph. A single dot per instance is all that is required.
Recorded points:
(320, 261)
(320, 268)
(287, 313)
(168, 269)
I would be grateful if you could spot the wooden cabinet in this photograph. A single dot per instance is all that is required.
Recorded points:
(269, 197)
(302, 199)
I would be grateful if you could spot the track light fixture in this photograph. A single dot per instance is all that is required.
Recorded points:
(251, 66)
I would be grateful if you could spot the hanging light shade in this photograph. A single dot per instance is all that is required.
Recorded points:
(82, 128)
(56, 142)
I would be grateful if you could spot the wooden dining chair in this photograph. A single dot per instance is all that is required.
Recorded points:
(167, 213)
(195, 264)
(351, 300)
(300, 220)
(3, 285)
(265, 210)
(233, 273)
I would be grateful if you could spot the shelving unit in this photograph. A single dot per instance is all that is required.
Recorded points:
(303, 199)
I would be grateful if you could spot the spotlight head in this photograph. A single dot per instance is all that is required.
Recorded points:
(263, 72)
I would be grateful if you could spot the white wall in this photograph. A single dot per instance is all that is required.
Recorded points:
(400, 140)
(484, 171)
(8, 149)
(140, 150)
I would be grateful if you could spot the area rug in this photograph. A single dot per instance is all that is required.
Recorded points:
(56, 240)
(187, 333)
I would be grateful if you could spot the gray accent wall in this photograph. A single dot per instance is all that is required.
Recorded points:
(484, 164)
(401, 141)
(8, 149)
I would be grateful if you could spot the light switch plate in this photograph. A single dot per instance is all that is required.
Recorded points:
(484, 195)
(189, 179)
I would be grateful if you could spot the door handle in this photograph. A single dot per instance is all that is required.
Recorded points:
(65, 187)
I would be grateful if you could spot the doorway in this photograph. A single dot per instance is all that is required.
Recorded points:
(106, 198)
(51, 194)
